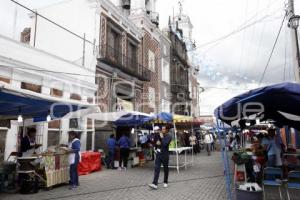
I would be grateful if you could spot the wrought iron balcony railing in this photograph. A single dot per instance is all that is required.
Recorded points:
(126, 64)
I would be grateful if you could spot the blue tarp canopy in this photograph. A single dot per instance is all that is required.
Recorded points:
(34, 106)
(133, 119)
(279, 102)
(122, 118)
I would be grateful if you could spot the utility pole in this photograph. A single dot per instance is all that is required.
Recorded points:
(293, 24)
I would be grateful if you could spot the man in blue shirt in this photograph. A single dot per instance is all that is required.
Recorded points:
(162, 157)
(124, 144)
(111, 144)
(273, 145)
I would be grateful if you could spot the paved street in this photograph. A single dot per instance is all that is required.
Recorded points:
(204, 180)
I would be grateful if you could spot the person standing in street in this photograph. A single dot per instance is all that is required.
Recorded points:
(74, 157)
(274, 148)
(208, 139)
(193, 143)
(124, 144)
(162, 157)
(111, 144)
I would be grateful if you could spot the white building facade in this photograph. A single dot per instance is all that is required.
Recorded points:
(53, 61)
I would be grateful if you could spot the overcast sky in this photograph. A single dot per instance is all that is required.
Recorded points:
(229, 66)
(234, 65)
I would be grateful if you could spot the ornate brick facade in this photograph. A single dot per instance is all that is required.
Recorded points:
(103, 93)
(103, 34)
(149, 43)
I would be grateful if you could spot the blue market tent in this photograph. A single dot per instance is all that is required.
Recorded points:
(165, 117)
(35, 106)
(122, 118)
(133, 119)
(279, 102)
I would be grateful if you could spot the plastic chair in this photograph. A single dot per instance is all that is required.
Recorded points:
(293, 181)
(271, 176)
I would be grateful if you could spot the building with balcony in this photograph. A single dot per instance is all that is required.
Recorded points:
(165, 86)
(143, 14)
(179, 70)
(120, 70)
(182, 23)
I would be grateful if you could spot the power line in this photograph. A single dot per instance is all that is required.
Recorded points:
(49, 20)
(273, 48)
(241, 28)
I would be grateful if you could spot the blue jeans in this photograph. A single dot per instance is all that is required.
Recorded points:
(74, 180)
(271, 161)
(111, 159)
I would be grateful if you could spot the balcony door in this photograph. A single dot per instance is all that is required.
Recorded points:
(114, 45)
(132, 57)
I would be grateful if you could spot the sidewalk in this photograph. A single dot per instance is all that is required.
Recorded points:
(204, 180)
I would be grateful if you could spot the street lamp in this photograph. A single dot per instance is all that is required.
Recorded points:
(294, 22)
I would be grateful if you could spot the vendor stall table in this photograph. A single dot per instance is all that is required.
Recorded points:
(90, 162)
(56, 169)
(178, 150)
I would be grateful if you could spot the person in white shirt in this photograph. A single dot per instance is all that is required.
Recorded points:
(208, 140)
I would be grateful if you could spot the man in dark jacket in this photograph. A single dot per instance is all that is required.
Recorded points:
(124, 144)
(162, 157)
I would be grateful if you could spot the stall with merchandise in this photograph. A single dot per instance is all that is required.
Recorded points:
(37, 167)
(275, 106)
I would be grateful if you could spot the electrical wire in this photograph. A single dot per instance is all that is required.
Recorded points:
(242, 27)
(243, 40)
(244, 72)
(51, 21)
(273, 48)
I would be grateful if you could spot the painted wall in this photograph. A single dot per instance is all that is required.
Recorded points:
(78, 16)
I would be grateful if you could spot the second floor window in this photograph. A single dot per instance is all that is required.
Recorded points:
(151, 94)
(132, 54)
(165, 71)
(114, 41)
(151, 60)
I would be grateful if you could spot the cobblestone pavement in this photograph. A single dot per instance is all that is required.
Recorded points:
(204, 180)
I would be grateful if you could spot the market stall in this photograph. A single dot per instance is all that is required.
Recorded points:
(273, 104)
(129, 119)
(173, 119)
(41, 166)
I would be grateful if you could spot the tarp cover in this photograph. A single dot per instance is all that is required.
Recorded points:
(122, 118)
(34, 106)
(165, 117)
(280, 103)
